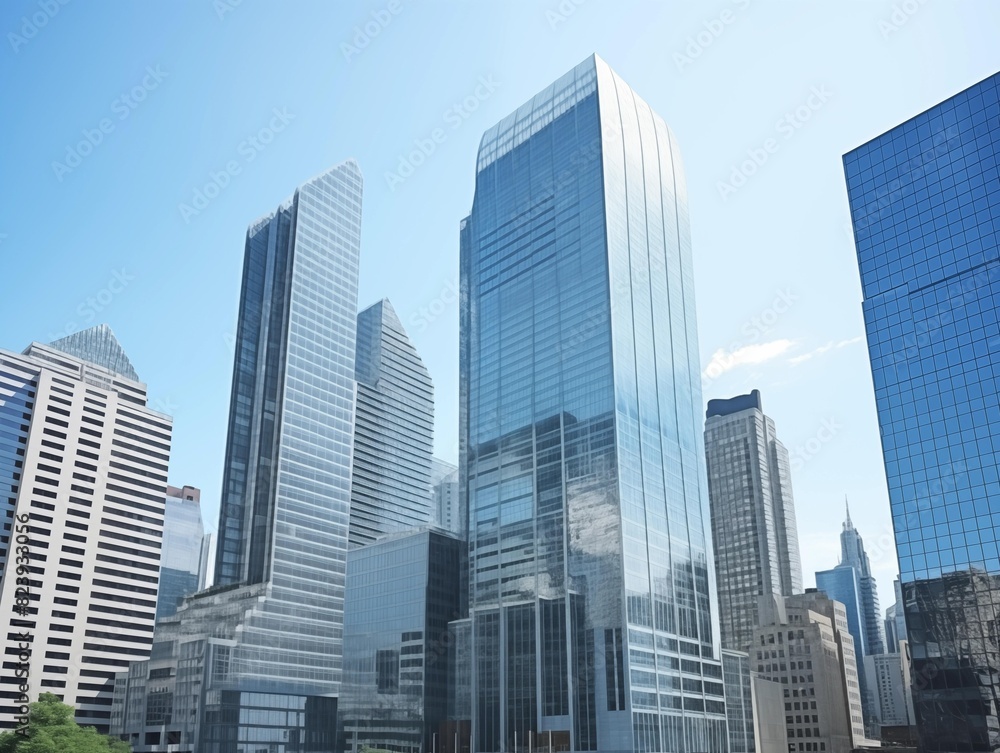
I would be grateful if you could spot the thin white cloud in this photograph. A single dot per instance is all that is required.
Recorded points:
(796, 360)
(723, 361)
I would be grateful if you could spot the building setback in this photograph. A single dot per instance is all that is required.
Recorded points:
(924, 201)
(83, 477)
(755, 537)
(592, 591)
(444, 483)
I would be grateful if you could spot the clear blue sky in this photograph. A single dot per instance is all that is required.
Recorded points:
(778, 290)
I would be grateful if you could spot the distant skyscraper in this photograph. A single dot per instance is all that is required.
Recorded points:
(444, 482)
(852, 554)
(83, 474)
(393, 432)
(924, 198)
(753, 513)
(185, 549)
(803, 643)
(592, 585)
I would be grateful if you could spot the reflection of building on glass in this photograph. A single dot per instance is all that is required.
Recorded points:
(263, 645)
(924, 198)
(402, 590)
(444, 483)
(803, 643)
(756, 541)
(591, 585)
(888, 678)
(86, 459)
(184, 553)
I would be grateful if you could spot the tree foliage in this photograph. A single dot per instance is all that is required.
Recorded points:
(52, 729)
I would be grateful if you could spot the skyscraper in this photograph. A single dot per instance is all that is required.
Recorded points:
(592, 591)
(924, 198)
(83, 474)
(393, 432)
(852, 554)
(753, 513)
(286, 491)
(183, 559)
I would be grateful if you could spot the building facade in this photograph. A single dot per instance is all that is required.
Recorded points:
(753, 513)
(402, 591)
(184, 561)
(803, 643)
(83, 474)
(924, 198)
(393, 432)
(591, 580)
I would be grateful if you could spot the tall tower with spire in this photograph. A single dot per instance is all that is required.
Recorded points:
(852, 553)
(851, 583)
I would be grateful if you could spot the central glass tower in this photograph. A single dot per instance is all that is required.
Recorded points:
(592, 586)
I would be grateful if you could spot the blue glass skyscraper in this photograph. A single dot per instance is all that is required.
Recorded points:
(592, 585)
(925, 205)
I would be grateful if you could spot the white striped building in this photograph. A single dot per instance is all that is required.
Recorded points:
(84, 461)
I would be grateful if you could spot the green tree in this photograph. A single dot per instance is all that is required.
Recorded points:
(52, 729)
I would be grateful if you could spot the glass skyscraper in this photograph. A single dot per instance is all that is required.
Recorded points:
(925, 205)
(753, 513)
(592, 586)
(183, 560)
(287, 479)
(393, 432)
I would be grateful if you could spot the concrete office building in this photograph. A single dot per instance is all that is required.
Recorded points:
(803, 643)
(592, 590)
(83, 478)
(753, 513)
